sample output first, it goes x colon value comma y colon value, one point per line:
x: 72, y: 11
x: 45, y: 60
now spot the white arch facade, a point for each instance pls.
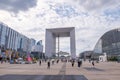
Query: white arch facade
x: 50, y: 40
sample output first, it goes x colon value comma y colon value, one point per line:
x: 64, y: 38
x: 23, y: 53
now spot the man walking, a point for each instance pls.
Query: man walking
x: 72, y: 63
x: 48, y: 65
x: 93, y: 64
x: 40, y: 63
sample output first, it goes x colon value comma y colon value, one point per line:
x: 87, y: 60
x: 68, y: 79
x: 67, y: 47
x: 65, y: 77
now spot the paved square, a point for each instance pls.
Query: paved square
x: 60, y: 71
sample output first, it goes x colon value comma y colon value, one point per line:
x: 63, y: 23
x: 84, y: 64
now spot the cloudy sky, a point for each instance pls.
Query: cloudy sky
x: 91, y: 19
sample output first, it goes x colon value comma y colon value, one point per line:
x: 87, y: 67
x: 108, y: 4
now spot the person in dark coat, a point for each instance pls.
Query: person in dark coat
x: 93, y: 63
x: 40, y: 62
x: 57, y: 60
x: 48, y: 65
x: 72, y: 62
x: 79, y: 63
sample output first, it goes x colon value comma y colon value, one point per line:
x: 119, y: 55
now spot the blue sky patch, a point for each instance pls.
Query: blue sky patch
x: 65, y: 10
x: 113, y: 14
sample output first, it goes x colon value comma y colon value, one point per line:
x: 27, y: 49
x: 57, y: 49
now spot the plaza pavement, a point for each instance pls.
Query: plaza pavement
x: 60, y: 71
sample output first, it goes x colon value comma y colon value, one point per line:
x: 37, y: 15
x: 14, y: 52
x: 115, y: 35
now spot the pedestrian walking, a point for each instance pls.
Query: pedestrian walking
x: 93, y: 64
x: 1, y: 59
x: 57, y: 60
x: 40, y: 63
x: 72, y: 63
x: 48, y: 65
x: 79, y: 63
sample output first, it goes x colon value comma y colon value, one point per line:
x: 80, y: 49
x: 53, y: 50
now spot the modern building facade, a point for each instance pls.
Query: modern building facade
x: 38, y: 47
x: 86, y: 55
x: 37, y: 50
x: 109, y: 43
x: 11, y: 39
x: 32, y: 43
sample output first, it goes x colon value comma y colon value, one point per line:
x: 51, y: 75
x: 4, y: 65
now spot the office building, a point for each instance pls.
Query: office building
x: 38, y: 47
x: 11, y: 39
x: 109, y: 43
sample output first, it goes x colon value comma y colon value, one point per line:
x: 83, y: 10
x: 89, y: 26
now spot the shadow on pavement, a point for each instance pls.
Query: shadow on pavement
x: 93, y: 69
x: 43, y: 77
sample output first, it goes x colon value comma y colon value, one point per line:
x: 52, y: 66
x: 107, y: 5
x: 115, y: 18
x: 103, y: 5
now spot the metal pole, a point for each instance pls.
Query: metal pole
x: 58, y: 46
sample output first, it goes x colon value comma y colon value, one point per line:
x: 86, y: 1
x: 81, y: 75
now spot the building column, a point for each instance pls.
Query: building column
x: 72, y: 44
x: 49, y: 44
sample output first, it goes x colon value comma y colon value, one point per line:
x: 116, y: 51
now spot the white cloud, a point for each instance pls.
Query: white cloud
x: 17, y: 5
x: 93, y: 5
x: 93, y: 19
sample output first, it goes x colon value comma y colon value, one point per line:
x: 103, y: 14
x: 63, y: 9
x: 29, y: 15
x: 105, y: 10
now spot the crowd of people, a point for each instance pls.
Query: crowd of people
x: 7, y: 54
x: 11, y: 56
x: 51, y: 62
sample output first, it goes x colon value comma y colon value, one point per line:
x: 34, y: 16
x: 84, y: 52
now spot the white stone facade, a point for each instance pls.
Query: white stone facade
x: 50, y: 41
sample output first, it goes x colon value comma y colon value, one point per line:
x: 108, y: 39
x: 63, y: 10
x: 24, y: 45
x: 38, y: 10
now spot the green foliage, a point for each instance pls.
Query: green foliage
x: 112, y: 58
